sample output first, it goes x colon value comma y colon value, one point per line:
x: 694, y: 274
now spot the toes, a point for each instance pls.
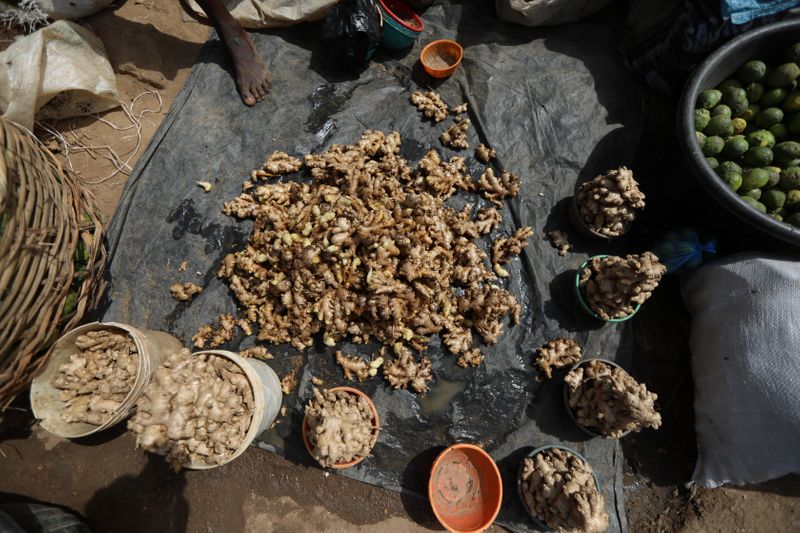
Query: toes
x: 265, y: 87
x: 260, y: 94
x: 248, y: 99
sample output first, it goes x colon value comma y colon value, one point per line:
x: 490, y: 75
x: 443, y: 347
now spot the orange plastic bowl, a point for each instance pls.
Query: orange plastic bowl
x: 441, y: 58
x: 375, y: 424
x: 465, y: 489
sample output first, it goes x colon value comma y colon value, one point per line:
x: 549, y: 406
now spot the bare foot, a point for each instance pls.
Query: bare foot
x: 253, y: 79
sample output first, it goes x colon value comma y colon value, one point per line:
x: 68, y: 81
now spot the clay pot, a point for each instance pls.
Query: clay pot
x: 306, y: 429
x: 465, y: 489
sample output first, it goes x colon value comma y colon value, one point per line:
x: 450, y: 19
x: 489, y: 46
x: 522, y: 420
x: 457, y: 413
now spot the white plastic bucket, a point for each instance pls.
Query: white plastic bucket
x: 267, y: 398
x: 153, y: 348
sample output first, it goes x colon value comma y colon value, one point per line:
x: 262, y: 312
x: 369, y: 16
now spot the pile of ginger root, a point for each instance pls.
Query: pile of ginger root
x: 614, y: 285
x: 197, y: 409
x: 341, y: 427
x: 96, y: 380
x: 609, y: 401
x: 559, y: 489
x: 608, y: 203
x: 557, y: 353
x: 368, y: 250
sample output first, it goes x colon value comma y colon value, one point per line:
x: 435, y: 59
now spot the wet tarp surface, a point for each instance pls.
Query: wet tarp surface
x: 557, y: 106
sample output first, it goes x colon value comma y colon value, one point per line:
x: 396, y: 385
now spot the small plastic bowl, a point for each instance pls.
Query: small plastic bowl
x: 465, y: 489
x: 569, y: 409
x: 441, y: 58
x: 578, y: 293
x: 541, y: 525
x: 375, y: 424
x: 401, y: 26
x: 579, y: 224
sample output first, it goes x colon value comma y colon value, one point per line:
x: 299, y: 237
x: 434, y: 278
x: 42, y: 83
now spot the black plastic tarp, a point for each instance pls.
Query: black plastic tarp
x: 555, y: 103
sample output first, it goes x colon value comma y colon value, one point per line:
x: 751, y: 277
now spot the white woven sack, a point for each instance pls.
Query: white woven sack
x: 745, y: 342
x: 546, y: 12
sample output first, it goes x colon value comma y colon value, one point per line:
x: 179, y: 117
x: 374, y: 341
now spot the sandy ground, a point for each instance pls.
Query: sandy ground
x: 152, y: 46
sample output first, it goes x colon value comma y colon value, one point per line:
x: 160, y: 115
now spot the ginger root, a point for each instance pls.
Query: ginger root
x: 487, y: 219
x: 96, y: 380
x: 430, y: 104
x: 607, y: 400
x: 495, y: 188
x: 218, y: 336
x: 405, y: 370
x: 460, y: 109
x: 341, y: 427
x: 559, y: 489
x: 368, y: 250
x: 484, y: 154
x: 559, y: 240
x: 455, y: 136
x: 198, y: 408
x: 353, y: 367
x: 615, y: 285
x: 557, y: 353
x: 608, y: 203
x: 506, y: 247
x: 257, y: 352
x: 183, y: 292
x: 472, y: 357
x: 277, y: 164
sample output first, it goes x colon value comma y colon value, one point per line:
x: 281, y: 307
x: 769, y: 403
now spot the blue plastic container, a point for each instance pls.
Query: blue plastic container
x: 397, y: 33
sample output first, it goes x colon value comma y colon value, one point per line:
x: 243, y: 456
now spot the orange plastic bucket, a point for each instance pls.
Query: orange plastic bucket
x: 375, y: 423
x: 465, y: 489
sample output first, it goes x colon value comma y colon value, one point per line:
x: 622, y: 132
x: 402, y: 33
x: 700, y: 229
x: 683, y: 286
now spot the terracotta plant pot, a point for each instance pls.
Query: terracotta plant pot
x: 465, y: 489
x: 375, y: 424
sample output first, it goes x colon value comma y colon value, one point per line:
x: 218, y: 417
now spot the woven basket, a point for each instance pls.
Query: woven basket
x: 47, y: 220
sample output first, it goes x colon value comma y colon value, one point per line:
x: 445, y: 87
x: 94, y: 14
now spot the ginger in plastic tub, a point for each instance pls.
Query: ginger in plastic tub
x: 95, y: 375
x: 202, y: 410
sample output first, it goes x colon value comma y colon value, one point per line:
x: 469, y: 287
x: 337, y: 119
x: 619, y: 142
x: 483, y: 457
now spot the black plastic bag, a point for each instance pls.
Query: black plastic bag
x: 353, y: 30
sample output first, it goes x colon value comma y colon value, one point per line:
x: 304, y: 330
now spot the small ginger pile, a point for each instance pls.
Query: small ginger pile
x: 216, y: 337
x: 557, y: 353
x: 608, y: 203
x: 607, y: 400
x: 405, y: 370
x: 559, y: 489
x: 96, y: 380
x: 197, y: 409
x: 355, y: 367
x: 560, y: 241
x: 613, y: 285
x: 183, y: 292
x: 455, y: 136
x: 496, y: 188
x: 369, y: 250
x: 430, y: 104
x: 504, y: 248
x: 341, y: 427
x: 484, y: 154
